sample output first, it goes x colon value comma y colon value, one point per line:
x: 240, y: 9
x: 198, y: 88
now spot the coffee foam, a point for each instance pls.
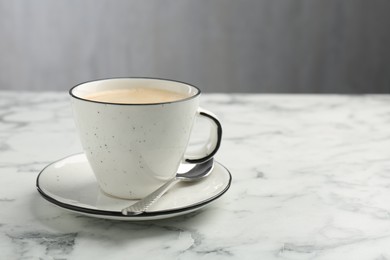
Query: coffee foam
x: 136, y: 96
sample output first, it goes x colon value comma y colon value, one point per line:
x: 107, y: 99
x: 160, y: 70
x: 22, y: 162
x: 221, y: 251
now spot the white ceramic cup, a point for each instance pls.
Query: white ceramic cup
x: 135, y: 148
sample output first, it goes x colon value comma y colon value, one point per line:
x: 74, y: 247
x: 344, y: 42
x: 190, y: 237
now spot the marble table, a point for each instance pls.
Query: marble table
x: 311, y: 180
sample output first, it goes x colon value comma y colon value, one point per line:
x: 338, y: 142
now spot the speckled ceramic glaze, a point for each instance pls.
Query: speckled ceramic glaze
x: 134, y: 148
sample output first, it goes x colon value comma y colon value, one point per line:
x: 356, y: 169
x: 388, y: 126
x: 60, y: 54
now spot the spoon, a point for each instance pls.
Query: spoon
x: 196, y: 173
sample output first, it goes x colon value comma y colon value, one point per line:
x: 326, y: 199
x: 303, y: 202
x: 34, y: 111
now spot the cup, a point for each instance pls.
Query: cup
x: 134, y: 148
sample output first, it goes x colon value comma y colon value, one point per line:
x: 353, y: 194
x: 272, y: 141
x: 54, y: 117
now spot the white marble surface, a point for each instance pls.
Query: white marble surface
x: 311, y: 180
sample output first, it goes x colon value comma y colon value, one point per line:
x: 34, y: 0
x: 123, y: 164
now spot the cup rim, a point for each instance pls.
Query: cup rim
x: 134, y: 104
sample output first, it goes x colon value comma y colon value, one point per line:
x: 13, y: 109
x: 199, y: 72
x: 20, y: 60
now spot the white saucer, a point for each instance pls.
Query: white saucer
x: 70, y: 184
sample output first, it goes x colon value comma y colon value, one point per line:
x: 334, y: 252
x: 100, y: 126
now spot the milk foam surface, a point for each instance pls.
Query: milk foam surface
x: 136, y: 96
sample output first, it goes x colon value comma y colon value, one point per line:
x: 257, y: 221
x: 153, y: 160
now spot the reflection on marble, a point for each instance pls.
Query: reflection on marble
x: 311, y: 180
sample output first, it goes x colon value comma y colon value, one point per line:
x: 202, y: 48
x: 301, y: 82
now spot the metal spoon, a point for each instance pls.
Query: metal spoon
x: 197, y: 172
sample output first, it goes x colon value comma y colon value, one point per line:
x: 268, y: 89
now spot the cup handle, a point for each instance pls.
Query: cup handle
x: 212, y: 145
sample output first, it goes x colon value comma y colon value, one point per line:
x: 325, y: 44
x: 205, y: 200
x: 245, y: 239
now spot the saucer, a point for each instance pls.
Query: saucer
x: 70, y: 184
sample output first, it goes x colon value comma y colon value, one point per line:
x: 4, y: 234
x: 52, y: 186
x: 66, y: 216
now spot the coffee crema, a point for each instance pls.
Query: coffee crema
x: 136, y: 96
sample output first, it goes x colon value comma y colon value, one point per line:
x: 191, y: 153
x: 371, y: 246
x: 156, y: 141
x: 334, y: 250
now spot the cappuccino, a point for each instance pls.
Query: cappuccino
x: 136, y: 96
x: 135, y: 135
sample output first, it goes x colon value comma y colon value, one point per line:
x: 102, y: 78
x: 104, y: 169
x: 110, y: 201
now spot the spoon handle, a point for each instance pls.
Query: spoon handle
x: 143, y: 204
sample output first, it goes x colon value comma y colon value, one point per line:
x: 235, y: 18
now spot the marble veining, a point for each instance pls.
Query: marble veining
x: 311, y: 180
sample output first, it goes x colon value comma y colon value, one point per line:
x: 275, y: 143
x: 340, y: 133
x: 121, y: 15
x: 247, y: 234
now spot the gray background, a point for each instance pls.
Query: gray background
x: 325, y: 46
